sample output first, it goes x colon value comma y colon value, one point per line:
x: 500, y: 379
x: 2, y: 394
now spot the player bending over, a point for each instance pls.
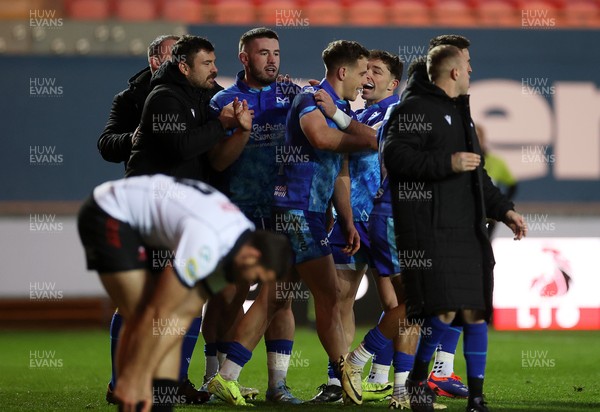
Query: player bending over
x: 212, y: 243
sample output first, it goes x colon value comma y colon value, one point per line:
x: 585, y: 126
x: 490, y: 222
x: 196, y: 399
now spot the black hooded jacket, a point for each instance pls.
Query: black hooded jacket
x: 440, y: 215
x: 114, y: 143
x: 176, y: 131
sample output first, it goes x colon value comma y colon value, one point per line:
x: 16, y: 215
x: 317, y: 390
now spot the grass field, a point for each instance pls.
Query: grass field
x: 527, y: 371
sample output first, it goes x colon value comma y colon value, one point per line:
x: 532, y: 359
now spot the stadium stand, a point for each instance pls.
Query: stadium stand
x: 361, y: 13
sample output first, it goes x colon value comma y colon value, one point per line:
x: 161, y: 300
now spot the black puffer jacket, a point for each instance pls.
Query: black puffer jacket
x: 439, y: 215
x: 114, y: 143
x: 175, y: 129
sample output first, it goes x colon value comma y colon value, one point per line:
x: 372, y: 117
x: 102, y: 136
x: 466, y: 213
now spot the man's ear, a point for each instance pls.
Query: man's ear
x: 243, y: 56
x: 154, y: 62
x: 183, y: 68
x: 393, y: 85
x: 341, y: 73
x: 454, y: 73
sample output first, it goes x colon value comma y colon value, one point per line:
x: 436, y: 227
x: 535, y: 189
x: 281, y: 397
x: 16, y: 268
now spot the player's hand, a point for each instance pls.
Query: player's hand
x: 313, y: 82
x: 227, y: 116
x: 352, y: 240
x: 516, y: 223
x: 325, y: 102
x: 133, y: 396
x: 243, y: 115
x: 465, y: 161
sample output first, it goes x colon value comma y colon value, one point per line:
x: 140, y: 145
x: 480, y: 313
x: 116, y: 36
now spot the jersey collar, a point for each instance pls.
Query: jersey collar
x: 243, y: 86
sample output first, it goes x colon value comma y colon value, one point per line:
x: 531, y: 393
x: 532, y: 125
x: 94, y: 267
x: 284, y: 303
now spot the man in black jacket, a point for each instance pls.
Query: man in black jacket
x: 176, y: 133
x: 441, y: 197
x: 116, y: 141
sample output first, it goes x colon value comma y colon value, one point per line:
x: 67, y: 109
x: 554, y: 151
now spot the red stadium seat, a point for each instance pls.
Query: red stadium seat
x: 184, y: 11
x: 136, y: 10
x: 409, y: 13
x: 89, y: 9
x: 277, y: 12
x: 538, y: 13
x: 234, y: 12
x: 367, y: 13
x: 498, y: 13
x: 453, y: 13
x: 324, y: 13
x: 581, y: 13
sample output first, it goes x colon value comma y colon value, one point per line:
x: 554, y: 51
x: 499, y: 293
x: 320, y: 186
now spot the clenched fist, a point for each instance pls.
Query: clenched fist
x: 465, y: 161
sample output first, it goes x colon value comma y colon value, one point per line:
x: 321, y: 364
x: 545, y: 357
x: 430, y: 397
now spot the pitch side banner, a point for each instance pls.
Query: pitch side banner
x: 546, y: 283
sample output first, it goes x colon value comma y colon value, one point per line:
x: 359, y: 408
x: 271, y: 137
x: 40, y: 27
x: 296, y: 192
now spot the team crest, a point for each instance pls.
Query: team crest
x: 448, y: 119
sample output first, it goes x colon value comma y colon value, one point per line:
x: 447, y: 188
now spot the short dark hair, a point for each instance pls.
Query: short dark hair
x: 154, y: 49
x: 452, y: 39
x: 437, y: 56
x: 275, y: 250
x: 188, y: 46
x: 343, y: 52
x: 257, y: 33
x: 417, y: 64
x: 393, y: 62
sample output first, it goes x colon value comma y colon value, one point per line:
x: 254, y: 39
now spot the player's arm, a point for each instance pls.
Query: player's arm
x: 323, y: 137
x: 142, y: 349
x: 227, y: 150
x: 115, y: 142
x: 343, y: 207
x: 343, y: 121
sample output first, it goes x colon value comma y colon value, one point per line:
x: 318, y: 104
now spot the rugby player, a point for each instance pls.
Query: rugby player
x: 205, y: 231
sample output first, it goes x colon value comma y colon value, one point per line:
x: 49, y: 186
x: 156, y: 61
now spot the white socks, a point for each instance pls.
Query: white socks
x: 443, y: 366
x: 230, y: 370
x: 359, y: 356
x: 278, y: 364
x: 379, y: 373
x: 399, y: 384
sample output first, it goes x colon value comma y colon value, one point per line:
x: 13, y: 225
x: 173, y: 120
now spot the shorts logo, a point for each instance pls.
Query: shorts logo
x: 325, y: 242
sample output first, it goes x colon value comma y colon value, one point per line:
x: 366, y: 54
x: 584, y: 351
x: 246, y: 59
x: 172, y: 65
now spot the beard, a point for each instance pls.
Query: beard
x: 262, y: 77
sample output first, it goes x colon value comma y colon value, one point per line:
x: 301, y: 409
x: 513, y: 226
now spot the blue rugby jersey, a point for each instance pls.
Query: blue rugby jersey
x: 307, y: 175
x: 365, y: 174
x: 250, y: 180
x: 382, y: 204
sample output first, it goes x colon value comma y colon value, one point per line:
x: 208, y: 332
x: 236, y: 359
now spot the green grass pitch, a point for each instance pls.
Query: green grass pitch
x: 527, y: 371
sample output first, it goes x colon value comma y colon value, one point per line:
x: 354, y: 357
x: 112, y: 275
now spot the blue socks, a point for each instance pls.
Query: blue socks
x: 384, y: 356
x: 432, y: 331
x: 187, y: 348
x: 115, y: 328
x: 475, y: 349
x: 238, y: 354
x: 281, y: 346
x: 375, y: 340
x: 403, y: 362
x: 450, y: 339
x: 223, y: 347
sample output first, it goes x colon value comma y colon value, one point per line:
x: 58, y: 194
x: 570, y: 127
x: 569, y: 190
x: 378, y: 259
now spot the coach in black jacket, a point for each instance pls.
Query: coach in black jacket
x: 441, y: 196
x: 176, y: 132
x: 115, y: 142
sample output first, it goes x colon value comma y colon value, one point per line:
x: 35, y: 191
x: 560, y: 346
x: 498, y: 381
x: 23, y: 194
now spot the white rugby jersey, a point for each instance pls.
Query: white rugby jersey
x: 189, y: 217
